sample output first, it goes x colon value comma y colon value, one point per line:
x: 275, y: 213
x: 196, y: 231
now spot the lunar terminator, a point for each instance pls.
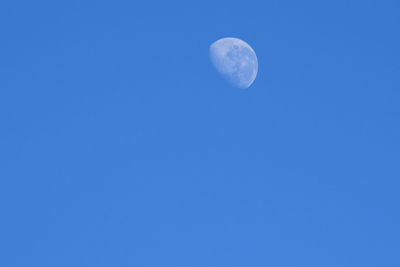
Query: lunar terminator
x: 235, y: 60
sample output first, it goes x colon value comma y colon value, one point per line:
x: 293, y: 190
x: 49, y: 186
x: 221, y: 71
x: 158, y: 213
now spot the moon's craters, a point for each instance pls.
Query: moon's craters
x: 235, y: 60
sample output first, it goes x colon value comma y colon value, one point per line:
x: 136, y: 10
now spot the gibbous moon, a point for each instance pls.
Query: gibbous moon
x: 235, y: 60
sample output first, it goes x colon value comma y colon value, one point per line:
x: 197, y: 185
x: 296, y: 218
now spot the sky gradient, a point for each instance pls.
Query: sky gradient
x: 120, y: 145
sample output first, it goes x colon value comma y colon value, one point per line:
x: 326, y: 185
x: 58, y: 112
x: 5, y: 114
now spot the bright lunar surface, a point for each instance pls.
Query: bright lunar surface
x: 235, y: 60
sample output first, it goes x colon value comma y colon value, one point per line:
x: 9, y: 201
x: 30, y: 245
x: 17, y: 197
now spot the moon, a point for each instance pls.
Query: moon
x: 235, y: 60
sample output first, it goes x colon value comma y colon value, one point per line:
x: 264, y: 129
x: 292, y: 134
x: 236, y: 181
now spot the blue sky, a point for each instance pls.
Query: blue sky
x: 120, y: 145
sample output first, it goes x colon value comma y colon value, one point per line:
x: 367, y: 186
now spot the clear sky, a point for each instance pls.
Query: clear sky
x: 120, y: 145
